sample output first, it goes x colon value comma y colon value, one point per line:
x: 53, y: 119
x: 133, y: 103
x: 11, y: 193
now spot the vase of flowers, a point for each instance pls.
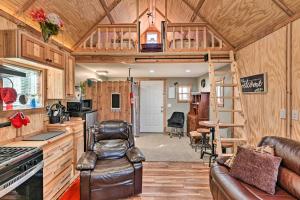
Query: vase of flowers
x: 50, y: 24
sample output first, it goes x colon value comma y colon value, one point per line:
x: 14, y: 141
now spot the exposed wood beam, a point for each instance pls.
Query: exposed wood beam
x: 107, y: 11
x: 212, y: 29
x: 141, y: 15
x: 26, y: 6
x: 162, y: 14
x: 113, y: 5
x: 196, y: 10
x: 268, y: 31
x: 283, y: 7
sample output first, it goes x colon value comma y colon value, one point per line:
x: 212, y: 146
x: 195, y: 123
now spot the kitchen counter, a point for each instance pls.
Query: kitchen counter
x: 39, y: 144
x: 60, y: 155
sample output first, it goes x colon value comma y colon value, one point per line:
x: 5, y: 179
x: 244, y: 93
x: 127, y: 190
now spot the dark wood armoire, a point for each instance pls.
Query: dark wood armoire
x: 199, y: 110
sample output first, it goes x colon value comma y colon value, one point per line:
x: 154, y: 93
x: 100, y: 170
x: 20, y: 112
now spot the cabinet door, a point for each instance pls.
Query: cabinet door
x: 70, y: 76
x: 79, y: 146
x: 55, y: 58
x: 32, y: 49
x: 55, y: 84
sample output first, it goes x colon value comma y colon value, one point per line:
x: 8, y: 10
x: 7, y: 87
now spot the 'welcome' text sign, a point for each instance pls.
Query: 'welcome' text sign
x: 254, y: 84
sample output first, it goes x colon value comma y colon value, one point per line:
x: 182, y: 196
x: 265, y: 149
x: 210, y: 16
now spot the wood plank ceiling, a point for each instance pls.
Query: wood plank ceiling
x: 238, y: 21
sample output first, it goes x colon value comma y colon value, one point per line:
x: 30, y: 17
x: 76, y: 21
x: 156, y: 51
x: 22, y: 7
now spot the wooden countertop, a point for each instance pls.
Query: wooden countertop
x: 72, y: 122
x: 41, y: 144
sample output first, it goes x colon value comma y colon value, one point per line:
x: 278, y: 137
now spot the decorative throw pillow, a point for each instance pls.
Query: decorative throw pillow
x: 256, y: 169
x: 263, y: 149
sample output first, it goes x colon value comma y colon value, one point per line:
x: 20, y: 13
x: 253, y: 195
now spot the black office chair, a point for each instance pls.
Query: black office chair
x: 176, y: 123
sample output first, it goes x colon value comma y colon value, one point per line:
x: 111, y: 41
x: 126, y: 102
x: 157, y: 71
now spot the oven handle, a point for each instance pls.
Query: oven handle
x: 18, y: 180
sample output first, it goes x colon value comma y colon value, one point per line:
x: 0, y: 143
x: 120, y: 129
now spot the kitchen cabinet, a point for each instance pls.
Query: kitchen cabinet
x: 19, y: 44
x: 55, y: 58
x: 75, y: 127
x: 70, y: 76
x: 32, y: 49
x: 55, y: 84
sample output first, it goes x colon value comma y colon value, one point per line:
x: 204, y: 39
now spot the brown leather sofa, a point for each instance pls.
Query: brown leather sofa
x: 112, y: 167
x: 225, y: 187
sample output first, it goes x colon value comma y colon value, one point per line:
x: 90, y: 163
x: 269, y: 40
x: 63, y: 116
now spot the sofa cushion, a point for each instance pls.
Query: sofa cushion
x: 110, y: 172
x: 287, y: 149
x: 111, y: 149
x: 259, y: 170
x: 289, y: 181
x: 223, y: 186
x: 262, y: 149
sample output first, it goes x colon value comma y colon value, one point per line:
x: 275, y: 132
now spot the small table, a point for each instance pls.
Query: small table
x: 211, y: 125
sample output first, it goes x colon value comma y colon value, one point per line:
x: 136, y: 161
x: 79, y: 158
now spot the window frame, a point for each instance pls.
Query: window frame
x: 42, y: 81
x: 189, y: 93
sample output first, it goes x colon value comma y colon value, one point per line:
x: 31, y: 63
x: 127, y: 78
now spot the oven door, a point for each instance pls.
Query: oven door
x: 27, y: 186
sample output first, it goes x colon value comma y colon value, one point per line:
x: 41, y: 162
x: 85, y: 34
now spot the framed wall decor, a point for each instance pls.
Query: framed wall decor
x: 254, y: 84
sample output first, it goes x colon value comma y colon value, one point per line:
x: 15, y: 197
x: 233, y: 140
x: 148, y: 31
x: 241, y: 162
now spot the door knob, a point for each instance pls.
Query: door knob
x: 161, y: 109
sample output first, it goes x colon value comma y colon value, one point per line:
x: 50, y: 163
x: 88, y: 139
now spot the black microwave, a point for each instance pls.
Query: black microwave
x: 82, y: 106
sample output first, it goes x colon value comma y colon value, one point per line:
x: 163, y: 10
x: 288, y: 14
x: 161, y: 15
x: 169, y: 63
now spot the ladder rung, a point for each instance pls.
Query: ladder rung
x: 226, y: 85
x: 220, y: 61
x: 233, y: 140
x: 219, y: 72
x: 228, y: 110
x: 225, y: 97
x: 228, y: 125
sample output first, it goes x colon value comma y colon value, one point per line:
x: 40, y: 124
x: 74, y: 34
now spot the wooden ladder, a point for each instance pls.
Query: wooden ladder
x: 236, y: 98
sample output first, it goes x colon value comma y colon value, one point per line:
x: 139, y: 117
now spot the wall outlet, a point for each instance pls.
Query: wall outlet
x: 295, y: 115
x: 169, y: 105
x: 282, y: 114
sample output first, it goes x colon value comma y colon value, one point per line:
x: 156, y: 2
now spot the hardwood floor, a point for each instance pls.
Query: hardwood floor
x: 175, y: 180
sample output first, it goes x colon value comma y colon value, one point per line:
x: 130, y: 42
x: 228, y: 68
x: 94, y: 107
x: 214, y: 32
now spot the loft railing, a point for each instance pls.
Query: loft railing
x: 112, y: 37
x: 185, y: 37
x: 176, y: 37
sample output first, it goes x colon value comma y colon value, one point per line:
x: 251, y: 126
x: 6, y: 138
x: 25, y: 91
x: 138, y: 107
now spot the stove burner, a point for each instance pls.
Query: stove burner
x: 11, y: 155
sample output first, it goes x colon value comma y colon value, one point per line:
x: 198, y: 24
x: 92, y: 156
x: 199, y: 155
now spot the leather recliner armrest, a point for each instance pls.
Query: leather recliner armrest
x: 135, y: 155
x: 87, y: 161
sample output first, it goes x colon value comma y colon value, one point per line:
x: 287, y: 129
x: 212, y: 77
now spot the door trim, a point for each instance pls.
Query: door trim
x: 164, y: 97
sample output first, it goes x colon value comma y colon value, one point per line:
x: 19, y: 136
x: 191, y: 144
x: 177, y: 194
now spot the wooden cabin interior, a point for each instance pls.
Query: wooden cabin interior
x: 149, y: 99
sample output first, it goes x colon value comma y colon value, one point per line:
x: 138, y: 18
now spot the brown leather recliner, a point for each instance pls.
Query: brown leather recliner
x: 225, y: 187
x: 112, y: 166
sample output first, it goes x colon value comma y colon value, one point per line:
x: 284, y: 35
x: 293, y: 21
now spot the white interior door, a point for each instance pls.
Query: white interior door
x: 151, y: 106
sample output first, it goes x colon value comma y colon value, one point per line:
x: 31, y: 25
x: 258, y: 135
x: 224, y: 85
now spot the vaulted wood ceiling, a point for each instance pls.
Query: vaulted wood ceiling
x: 238, y: 21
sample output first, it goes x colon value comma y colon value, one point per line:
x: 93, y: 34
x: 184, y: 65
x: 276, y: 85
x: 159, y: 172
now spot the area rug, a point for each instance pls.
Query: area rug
x: 73, y: 192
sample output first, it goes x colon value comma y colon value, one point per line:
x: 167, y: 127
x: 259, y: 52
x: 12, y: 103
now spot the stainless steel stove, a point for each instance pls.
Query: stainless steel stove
x: 21, y: 173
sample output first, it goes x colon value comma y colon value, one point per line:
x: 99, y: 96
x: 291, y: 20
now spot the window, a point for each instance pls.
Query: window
x: 29, y: 89
x: 151, y: 37
x: 184, y: 94
x: 116, y: 101
x: 220, y: 93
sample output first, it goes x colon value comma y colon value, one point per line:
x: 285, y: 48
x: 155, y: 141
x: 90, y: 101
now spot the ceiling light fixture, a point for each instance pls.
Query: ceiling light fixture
x: 151, y: 71
x: 187, y: 70
x: 102, y: 73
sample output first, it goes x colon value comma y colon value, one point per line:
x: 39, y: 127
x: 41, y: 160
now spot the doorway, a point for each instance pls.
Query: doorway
x: 152, y: 106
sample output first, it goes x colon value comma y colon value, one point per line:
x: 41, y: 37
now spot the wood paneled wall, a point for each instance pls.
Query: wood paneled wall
x: 105, y: 89
x: 295, y: 79
x: 279, y: 56
x: 37, y: 117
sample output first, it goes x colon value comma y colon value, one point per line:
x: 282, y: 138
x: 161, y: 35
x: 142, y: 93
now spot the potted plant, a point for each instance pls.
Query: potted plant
x: 50, y: 24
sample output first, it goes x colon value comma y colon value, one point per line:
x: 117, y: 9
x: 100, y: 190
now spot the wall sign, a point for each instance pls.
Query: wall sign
x: 254, y: 84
